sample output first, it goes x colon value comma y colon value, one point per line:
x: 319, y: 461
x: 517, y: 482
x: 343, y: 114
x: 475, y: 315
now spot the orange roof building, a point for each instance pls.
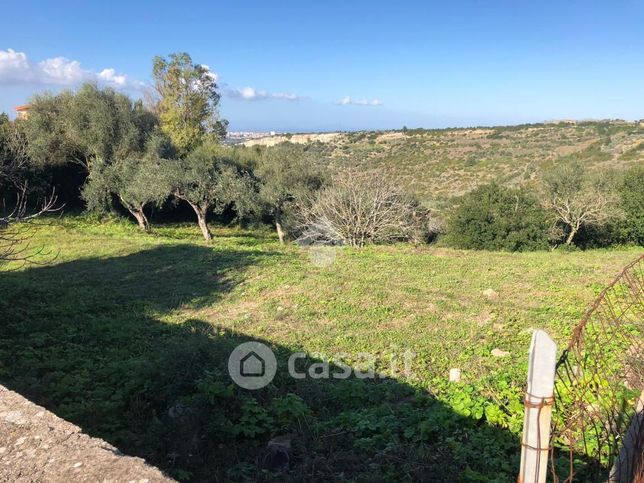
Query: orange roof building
x: 22, y: 111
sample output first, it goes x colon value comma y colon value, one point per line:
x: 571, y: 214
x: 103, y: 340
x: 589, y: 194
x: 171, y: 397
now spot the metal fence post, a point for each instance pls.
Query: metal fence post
x: 538, y: 409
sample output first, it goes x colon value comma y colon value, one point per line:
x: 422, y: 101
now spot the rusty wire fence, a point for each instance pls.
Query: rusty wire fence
x: 598, y: 418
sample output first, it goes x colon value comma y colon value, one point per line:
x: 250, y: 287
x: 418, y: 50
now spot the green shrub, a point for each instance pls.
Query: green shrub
x: 632, y: 203
x: 626, y: 225
x: 496, y: 218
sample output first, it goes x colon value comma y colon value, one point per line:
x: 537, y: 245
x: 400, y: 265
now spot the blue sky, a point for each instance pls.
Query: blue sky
x: 349, y: 64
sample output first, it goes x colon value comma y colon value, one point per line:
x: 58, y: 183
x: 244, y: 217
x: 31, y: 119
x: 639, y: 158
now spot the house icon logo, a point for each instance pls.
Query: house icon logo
x: 252, y: 365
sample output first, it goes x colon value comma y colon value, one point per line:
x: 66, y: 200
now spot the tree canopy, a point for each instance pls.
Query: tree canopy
x: 13, y: 152
x: 288, y: 175
x: 211, y: 178
x: 136, y: 181
x: 92, y: 126
x: 188, y: 101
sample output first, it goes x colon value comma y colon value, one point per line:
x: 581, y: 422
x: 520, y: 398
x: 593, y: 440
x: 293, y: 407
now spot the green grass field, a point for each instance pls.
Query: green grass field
x: 128, y: 336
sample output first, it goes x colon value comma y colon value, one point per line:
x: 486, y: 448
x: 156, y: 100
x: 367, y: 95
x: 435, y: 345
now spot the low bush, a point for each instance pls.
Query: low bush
x: 493, y: 217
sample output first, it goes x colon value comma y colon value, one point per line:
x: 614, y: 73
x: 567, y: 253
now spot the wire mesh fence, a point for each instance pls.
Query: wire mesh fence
x: 598, y: 419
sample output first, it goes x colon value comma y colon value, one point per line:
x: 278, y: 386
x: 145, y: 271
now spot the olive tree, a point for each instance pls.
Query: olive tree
x: 136, y: 181
x: 91, y: 126
x: 188, y: 101
x: 13, y: 153
x: 578, y: 198
x: 210, y: 179
x: 288, y: 175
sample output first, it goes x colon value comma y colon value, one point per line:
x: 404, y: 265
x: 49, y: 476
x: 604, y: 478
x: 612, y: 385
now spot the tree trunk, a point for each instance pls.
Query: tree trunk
x: 278, y: 226
x: 203, y: 224
x: 141, y: 219
x: 571, y: 235
x: 201, y: 221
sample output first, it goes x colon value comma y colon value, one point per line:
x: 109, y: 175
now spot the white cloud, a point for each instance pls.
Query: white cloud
x: 346, y: 100
x: 17, y: 68
x: 14, y: 67
x: 60, y: 71
x: 248, y: 93
x: 284, y: 95
x: 111, y: 77
x: 252, y: 94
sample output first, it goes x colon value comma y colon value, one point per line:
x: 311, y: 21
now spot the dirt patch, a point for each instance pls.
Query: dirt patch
x: 36, y: 445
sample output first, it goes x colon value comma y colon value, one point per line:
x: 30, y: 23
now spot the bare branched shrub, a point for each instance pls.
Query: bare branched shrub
x: 14, y: 240
x: 361, y: 208
x: 578, y: 198
x: 15, y: 210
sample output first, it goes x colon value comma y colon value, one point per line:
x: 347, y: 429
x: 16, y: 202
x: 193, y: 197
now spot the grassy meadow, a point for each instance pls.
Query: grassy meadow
x: 128, y: 334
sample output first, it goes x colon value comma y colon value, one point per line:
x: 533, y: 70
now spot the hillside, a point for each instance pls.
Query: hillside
x: 440, y: 164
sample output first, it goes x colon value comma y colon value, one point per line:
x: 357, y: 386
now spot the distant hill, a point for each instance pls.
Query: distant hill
x: 442, y: 163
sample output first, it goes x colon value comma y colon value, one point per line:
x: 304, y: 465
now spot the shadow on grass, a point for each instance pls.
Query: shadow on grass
x: 84, y: 339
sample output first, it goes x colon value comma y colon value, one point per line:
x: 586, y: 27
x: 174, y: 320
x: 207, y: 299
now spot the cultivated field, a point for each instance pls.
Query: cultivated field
x: 128, y: 335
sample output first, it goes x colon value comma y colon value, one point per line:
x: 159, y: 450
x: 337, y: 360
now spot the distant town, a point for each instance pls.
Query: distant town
x: 236, y: 137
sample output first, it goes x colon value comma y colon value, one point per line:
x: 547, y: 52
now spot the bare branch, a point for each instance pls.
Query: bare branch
x: 362, y: 208
x: 578, y: 198
x: 14, y: 237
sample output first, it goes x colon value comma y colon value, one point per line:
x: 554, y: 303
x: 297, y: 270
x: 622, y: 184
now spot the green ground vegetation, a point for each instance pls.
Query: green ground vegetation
x: 127, y: 334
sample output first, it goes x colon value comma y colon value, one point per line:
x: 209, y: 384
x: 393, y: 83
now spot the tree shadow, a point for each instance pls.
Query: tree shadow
x: 85, y: 339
